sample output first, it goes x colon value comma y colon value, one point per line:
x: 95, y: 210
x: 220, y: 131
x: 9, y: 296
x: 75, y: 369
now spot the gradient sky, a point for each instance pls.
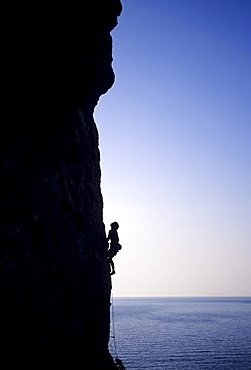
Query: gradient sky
x: 175, y: 141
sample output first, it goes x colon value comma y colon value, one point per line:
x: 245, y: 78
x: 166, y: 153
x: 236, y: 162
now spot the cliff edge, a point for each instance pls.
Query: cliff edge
x: 56, y: 291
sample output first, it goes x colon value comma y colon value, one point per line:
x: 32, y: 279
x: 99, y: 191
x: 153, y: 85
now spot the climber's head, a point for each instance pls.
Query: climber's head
x: 114, y: 225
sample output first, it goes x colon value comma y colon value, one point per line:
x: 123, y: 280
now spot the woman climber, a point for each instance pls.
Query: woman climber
x: 114, y: 245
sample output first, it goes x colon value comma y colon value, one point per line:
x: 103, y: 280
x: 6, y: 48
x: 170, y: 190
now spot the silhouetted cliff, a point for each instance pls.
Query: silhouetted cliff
x: 56, y: 293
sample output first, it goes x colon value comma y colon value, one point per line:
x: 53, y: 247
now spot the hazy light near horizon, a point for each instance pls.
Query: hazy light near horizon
x: 175, y: 141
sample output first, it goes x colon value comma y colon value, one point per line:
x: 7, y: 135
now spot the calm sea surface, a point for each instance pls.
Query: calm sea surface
x: 182, y: 333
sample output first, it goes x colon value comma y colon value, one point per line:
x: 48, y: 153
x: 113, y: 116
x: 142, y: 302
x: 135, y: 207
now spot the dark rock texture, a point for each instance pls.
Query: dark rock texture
x: 56, y: 290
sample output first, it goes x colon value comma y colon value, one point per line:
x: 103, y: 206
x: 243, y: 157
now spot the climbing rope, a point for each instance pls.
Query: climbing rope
x: 113, y: 329
x: 119, y: 363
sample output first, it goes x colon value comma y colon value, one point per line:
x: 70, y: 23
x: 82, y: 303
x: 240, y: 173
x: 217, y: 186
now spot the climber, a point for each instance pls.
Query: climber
x: 119, y: 364
x: 114, y: 245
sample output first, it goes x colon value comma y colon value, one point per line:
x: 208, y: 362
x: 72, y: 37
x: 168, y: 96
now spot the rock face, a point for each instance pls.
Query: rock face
x: 56, y: 291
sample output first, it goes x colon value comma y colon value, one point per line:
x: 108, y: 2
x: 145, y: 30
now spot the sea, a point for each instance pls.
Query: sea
x: 182, y: 332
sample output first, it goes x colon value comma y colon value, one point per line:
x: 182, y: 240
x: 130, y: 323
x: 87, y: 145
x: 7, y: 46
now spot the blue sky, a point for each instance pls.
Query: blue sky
x: 175, y: 142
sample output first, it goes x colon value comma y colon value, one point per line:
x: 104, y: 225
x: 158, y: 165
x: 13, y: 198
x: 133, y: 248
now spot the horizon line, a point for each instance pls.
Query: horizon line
x: 182, y: 296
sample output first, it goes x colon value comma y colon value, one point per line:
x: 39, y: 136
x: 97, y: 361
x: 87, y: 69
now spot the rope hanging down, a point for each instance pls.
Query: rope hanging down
x: 113, y: 330
x: 119, y: 364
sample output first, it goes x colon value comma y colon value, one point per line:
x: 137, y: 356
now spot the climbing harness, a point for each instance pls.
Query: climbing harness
x: 119, y: 364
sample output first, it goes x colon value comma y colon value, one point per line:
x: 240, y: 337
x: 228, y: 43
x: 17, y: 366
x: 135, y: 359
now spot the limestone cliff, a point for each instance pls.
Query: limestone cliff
x: 56, y: 291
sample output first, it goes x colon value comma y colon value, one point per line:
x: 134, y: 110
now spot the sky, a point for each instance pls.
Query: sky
x: 175, y: 142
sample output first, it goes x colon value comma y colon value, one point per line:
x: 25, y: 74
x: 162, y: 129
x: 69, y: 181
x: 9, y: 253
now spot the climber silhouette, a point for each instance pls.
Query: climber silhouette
x: 119, y: 364
x: 114, y: 245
